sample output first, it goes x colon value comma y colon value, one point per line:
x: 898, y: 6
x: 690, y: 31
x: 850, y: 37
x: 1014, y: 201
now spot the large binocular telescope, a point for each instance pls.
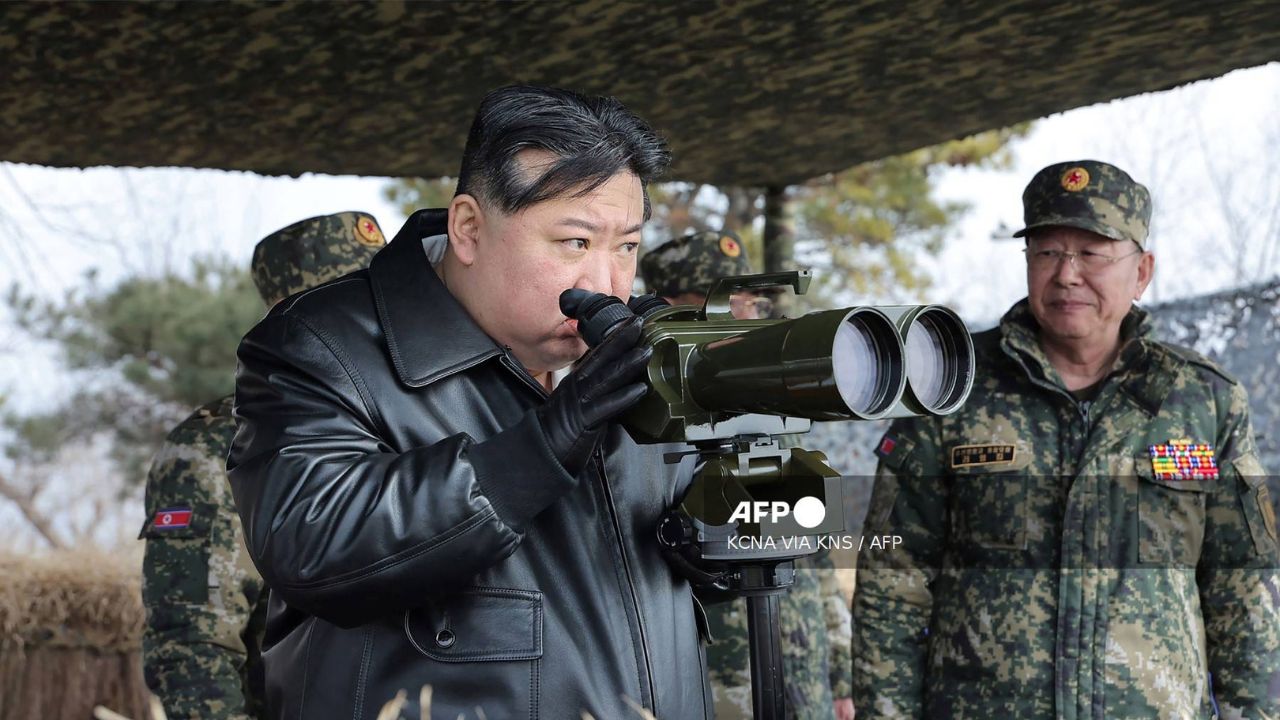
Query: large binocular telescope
x: 713, y: 376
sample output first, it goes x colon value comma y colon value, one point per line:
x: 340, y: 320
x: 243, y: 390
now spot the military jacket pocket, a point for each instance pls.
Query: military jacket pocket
x: 1256, y: 501
x: 1171, y: 518
x: 989, y: 509
x: 989, y: 491
x: 178, y: 553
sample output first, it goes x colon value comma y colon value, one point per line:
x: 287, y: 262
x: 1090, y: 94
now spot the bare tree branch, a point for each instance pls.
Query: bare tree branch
x: 37, y: 519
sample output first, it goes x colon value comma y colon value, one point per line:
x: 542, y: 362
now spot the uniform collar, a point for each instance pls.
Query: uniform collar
x: 429, y: 334
x: 1146, y: 368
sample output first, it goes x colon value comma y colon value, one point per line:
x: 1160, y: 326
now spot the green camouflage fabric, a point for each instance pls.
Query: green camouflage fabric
x: 750, y: 93
x: 815, y: 629
x: 838, y: 619
x: 206, y: 603
x: 691, y: 263
x: 1090, y: 195
x: 313, y: 251
x: 1047, y: 571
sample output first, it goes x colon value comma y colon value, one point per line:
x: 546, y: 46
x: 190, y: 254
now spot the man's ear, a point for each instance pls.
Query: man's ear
x: 465, y: 221
x: 1146, y: 270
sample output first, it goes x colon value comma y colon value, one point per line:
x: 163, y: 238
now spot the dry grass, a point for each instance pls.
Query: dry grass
x: 393, y: 707
x: 70, y: 632
x: 71, y: 599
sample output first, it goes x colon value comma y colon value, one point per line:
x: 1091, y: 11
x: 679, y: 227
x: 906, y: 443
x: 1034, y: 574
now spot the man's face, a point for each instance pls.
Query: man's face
x: 520, y: 263
x: 743, y: 305
x: 1080, y: 305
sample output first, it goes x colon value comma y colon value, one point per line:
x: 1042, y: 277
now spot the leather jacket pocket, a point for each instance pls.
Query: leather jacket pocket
x: 1171, y: 517
x: 487, y: 647
x: 479, y: 625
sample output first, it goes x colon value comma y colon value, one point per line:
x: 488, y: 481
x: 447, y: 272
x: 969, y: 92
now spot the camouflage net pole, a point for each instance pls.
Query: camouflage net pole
x: 779, y: 241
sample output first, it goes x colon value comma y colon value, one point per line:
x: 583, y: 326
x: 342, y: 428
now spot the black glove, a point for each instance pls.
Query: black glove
x: 608, y: 380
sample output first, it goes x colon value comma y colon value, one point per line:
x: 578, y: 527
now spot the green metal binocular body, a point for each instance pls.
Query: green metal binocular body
x: 714, y: 377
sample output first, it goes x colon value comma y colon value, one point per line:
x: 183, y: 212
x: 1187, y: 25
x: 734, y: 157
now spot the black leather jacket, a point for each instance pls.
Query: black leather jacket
x: 415, y: 529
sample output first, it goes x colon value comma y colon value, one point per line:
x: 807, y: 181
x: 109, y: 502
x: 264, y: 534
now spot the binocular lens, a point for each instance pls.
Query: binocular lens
x: 867, y: 370
x: 926, y: 362
x: 939, y: 360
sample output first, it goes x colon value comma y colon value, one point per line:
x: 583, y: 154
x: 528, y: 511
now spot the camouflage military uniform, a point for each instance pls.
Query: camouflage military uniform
x: 1050, y: 567
x: 814, y: 614
x: 206, y: 603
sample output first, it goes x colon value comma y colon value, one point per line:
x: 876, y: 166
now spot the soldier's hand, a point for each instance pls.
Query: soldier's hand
x: 844, y: 709
x: 606, y: 382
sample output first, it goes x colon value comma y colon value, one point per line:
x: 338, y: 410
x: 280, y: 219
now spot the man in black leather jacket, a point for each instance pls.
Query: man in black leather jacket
x: 427, y: 503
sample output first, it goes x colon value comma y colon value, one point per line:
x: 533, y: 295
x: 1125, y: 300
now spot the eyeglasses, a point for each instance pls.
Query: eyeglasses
x: 1089, y: 261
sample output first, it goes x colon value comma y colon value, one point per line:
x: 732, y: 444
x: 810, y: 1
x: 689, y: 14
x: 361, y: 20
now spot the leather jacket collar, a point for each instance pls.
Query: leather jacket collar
x: 428, y: 333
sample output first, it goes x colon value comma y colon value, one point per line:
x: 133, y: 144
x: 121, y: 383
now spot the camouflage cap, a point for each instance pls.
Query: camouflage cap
x: 1089, y: 195
x: 313, y: 251
x: 691, y: 263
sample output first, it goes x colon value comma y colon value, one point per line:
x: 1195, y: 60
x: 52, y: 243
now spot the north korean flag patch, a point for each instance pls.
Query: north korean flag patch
x: 894, y: 450
x: 173, y: 518
x: 887, y: 444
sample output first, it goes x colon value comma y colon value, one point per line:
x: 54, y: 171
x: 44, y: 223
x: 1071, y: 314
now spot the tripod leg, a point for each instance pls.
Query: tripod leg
x: 765, y: 638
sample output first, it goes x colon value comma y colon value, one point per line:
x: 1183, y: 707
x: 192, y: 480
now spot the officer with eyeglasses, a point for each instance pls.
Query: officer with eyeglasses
x: 1091, y: 535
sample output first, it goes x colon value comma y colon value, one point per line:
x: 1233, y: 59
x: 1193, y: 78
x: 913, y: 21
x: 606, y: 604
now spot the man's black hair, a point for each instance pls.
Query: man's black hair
x: 593, y: 138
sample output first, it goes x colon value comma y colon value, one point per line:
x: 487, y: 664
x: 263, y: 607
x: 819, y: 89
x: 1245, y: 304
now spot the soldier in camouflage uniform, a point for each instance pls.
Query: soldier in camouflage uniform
x: 206, y: 604
x: 1090, y: 536
x: 814, y: 614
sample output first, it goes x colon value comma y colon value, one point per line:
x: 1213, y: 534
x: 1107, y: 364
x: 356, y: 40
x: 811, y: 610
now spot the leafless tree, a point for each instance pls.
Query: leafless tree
x: 1245, y: 192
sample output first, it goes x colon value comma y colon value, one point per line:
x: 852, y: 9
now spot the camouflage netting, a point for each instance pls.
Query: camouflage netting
x: 750, y: 92
x: 1239, y: 329
x: 70, y: 636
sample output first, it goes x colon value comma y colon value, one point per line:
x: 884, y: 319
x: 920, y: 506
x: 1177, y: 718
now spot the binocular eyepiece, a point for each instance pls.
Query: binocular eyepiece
x: 596, y: 313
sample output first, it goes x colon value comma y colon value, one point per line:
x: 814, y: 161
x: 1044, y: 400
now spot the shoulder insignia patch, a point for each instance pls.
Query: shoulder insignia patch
x: 893, y: 450
x: 172, y: 518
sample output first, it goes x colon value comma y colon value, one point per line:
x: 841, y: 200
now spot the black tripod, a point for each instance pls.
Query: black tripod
x: 764, y: 638
x: 731, y: 557
x: 762, y: 584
